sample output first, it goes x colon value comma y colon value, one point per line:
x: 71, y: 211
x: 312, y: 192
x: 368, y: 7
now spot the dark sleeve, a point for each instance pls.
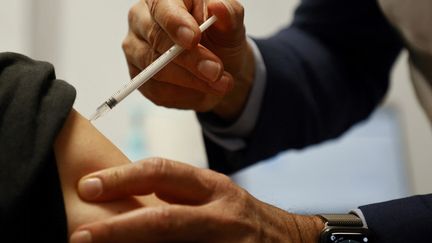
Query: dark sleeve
x: 33, y: 107
x: 400, y: 221
x: 325, y: 72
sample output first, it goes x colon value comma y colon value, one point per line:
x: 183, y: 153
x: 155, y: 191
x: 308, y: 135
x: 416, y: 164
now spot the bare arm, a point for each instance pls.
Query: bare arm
x: 81, y: 149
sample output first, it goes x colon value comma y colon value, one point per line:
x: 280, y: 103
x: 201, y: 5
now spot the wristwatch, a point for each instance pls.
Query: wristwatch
x: 343, y: 228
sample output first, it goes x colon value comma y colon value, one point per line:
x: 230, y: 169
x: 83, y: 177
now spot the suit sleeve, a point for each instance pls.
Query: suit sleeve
x: 33, y: 107
x: 326, y: 71
x: 400, y: 221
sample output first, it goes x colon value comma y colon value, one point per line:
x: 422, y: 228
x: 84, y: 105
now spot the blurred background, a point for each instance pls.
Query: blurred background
x: 386, y: 157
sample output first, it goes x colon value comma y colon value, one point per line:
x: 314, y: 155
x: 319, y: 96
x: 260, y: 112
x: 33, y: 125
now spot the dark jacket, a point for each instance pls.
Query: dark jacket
x: 326, y: 72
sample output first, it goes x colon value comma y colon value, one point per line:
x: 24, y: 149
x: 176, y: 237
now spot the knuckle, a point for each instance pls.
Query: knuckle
x: 144, y: 56
x: 151, y: 168
x: 168, y: 19
x: 165, y: 220
x: 152, y: 5
x: 132, y: 14
x: 138, y: 51
x: 163, y: 214
x: 136, y: 171
x: 103, y: 232
x: 113, y: 179
x: 158, y: 166
x: 241, y: 208
x: 219, y: 184
x: 224, y: 180
x: 125, y: 44
x: 162, y: 167
x: 243, y: 197
x: 238, y: 15
x: 154, y: 35
x: 239, y: 10
x: 150, y: 162
x: 152, y: 55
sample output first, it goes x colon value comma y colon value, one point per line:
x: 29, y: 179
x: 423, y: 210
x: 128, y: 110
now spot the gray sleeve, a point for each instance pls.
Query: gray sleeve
x: 33, y: 108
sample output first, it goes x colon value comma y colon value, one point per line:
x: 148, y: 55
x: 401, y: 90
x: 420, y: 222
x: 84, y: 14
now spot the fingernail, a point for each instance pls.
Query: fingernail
x: 185, y: 35
x: 221, y: 85
x: 83, y: 236
x: 90, y: 188
x: 209, y: 69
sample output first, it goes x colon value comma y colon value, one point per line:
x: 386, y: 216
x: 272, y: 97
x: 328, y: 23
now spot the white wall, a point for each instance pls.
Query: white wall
x: 82, y: 39
x: 415, y: 125
x: 14, y: 27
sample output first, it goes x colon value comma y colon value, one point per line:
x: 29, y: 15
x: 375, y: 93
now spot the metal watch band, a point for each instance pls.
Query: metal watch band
x: 347, y: 220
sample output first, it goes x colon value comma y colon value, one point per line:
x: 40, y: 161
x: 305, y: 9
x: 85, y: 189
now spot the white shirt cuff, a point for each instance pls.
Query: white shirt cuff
x: 359, y: 213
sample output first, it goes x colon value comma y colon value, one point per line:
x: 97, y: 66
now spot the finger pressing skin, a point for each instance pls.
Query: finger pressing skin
x: 174, y: 18
x: 160, y: 224
x: 171, y: 181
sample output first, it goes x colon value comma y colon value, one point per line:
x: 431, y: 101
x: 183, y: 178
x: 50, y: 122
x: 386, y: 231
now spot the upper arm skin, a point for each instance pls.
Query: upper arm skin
x: 79, y: 150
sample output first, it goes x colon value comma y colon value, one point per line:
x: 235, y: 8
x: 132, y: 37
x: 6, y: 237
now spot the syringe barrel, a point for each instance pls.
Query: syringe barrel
x: 148, y: 72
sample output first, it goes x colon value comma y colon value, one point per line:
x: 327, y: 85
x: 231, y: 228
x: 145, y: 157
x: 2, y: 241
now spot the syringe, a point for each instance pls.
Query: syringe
x: 145, y: 75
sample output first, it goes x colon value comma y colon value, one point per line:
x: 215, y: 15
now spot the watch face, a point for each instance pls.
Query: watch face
x: 345, y: 236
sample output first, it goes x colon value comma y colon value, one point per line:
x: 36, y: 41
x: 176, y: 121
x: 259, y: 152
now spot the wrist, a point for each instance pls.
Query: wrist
x: 308, y: 228
x: 232, y: 105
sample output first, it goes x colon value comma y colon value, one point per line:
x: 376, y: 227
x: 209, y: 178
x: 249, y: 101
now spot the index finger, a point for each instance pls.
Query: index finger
x: 171, y: 181
x: 160, y: 224
x: 175, y: 18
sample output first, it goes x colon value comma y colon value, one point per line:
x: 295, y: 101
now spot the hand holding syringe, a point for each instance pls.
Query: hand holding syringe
x: 145, y: 75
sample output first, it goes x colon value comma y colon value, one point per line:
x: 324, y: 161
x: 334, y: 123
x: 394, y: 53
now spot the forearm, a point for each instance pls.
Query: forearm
x: 310, y: 228
x: 233, y: 103
x: 81, y: 149
x: 76, y: 145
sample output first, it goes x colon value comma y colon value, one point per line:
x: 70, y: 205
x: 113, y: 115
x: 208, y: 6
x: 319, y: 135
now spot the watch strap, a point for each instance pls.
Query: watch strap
x: 347, y: 220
